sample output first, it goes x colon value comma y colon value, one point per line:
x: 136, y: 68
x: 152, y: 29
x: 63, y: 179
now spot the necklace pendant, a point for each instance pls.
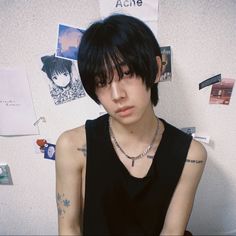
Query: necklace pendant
x: 132, y: 163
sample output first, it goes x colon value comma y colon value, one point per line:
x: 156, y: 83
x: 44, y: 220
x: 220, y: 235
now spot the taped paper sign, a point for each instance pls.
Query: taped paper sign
x: 146, y: 10
x: 16, y: 106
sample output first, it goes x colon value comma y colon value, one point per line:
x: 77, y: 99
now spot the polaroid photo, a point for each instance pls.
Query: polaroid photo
x: 68, y: 41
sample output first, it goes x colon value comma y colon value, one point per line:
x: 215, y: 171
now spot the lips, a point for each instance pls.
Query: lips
x: 124, y: 111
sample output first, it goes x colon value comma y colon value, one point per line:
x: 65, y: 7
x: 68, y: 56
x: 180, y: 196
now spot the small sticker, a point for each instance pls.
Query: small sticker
x: 210, y: 81
x: 49, y: 151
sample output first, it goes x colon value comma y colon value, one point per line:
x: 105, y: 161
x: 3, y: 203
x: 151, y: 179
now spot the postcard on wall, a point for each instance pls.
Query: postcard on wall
x: 63, y: 79
x: 166, y: 64
x: 146, y: 10
x: 68, y: 42
x: 221, y: 92
x: 16, y: 106
x: 5, y: 175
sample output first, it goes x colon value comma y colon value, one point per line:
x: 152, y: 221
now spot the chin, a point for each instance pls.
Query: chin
x: 126, y: 120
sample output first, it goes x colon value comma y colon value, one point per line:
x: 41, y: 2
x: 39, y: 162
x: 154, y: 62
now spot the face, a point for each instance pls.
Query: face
x: 62, y: 80
x: 127, y: 99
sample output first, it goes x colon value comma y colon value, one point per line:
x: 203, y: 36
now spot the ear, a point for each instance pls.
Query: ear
x: 159, y: 66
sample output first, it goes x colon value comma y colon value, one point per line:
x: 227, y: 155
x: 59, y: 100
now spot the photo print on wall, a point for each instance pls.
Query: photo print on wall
x: 63, y: 79
x: 68, y: 42
x: 166, y: 63
x: 221, y: 92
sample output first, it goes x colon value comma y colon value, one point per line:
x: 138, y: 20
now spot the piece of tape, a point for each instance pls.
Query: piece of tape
x: 210, y: 81
x: 201, y: 138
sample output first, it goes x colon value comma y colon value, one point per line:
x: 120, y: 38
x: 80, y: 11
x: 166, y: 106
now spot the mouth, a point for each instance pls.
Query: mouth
x: 124, y: 111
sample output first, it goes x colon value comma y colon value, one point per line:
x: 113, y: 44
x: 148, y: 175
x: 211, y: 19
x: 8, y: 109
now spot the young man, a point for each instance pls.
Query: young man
x: 127, y: 172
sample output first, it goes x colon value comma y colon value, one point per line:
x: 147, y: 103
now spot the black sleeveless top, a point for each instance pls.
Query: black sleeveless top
x: 117, y: 203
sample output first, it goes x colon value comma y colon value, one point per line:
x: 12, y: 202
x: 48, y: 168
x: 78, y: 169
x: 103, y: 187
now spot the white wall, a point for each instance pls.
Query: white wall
x: 201, y: 34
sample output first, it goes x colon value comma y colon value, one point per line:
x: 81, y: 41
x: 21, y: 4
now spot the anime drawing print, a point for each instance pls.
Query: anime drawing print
x: 63, y: 79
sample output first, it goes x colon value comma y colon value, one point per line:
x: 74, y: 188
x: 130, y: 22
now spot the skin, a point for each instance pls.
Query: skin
x: 131, y: 128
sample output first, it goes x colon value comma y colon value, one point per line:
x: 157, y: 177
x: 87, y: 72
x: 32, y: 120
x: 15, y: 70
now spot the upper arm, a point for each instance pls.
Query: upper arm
x: 69, y: 167
x: 182, y: 201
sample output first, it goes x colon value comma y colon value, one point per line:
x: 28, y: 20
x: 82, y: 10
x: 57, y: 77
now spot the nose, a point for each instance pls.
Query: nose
x: 117, y: 91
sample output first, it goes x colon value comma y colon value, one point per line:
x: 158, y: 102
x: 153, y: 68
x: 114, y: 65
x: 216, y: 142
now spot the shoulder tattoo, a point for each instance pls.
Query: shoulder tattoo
x: 83, y: 149
x: 194, y: 161
x: 62, y: 204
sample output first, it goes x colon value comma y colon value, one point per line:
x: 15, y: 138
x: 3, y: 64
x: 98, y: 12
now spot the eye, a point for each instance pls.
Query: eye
x: 65, y: 73
x: 54, y: 78
x: 126, y: 74
x: 101, y: 83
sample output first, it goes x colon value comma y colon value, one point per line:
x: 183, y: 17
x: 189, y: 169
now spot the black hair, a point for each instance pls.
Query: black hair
x: 53, y: 65
x: 116, y: 40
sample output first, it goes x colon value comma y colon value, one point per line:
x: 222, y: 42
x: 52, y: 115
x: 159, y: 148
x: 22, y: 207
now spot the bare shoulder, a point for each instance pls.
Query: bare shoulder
x: 197, y: 152
x: 195, y: 162
x: 69, y: 147
x: 71, y: 138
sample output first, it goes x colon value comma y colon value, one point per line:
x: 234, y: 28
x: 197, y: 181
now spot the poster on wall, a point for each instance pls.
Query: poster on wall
x: 63, y: 79
x: 16, y: 106
x: 68, y: 42
x: 221, y: 92
x: 146, y: 10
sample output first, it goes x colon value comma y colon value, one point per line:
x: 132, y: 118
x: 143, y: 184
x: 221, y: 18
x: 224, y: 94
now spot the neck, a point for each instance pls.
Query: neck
x: 139, y: 130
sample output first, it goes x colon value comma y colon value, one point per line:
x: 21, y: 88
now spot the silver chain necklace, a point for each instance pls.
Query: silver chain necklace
x: 140, y: 155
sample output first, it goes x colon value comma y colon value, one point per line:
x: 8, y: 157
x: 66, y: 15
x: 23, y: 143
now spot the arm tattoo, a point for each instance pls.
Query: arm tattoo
x: 62, y: 204
x: 83, y: 149
x: 194, y: 161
